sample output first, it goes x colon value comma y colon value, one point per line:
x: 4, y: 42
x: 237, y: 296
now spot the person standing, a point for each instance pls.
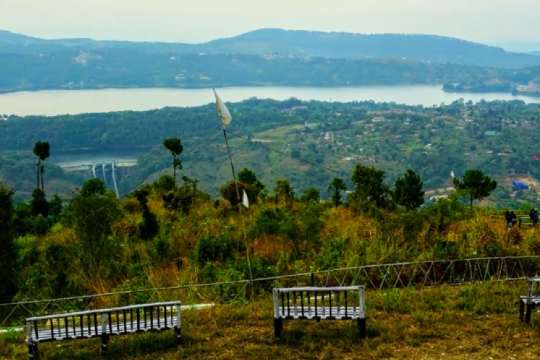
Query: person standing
x: 513, y: 218
x: 533, y: 215
x: 508, y: 219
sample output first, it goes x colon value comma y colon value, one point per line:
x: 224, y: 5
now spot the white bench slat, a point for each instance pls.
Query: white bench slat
x: 322, y: 313
x: 117, y: 329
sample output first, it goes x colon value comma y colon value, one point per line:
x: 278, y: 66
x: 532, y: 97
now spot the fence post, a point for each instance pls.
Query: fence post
x: 312, y: 281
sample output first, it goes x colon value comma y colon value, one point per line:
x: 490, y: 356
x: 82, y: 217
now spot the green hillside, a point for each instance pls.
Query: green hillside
x: 308, y: 142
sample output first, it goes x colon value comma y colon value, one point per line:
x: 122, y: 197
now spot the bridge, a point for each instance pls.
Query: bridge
x: 106, y: 170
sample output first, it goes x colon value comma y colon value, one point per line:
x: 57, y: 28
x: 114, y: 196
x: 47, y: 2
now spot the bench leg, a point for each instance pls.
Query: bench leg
x: 33, y: 351
x: 178, y: 335
x: 528, y: 313
x: 362, y: 328
x: 278, y: 327
x: 104, y: 343
x: 521, y: 310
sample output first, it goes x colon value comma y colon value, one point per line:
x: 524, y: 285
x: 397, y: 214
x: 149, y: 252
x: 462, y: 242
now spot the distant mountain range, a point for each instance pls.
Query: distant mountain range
x: 262, y: 57
x: 423, y: 48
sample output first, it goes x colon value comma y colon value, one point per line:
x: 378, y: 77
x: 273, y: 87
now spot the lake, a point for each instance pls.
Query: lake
x: 57, y: 102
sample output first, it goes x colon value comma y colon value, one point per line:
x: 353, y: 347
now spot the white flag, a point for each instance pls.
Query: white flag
x: 245, y: 199
x: 223, y: 112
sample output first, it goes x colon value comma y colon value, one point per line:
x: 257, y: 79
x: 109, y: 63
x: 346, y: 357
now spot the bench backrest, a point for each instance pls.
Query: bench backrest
x: 92, y: 323
x: 349, y: 299
x: 534, y: 287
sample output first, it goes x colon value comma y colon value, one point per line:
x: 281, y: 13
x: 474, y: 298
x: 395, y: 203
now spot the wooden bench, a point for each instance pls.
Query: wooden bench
x: 102, y: 323
x: 529, y: 302
x: 319, y: 303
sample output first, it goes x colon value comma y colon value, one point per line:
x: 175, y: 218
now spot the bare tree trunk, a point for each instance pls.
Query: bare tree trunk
x: 37, y: 173
x: 174, y: 169
x: 42, y: 170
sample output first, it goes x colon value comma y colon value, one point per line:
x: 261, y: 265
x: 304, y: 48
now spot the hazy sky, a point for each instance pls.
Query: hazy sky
x: 491, y: 21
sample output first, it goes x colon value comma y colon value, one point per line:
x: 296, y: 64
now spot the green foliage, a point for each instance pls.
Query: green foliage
x: 409, y: 191
x: 331, y: 254
x: 8, y: 285
x: 369, y: 188
x: 93, y: 187
x: 475, y: 184
x: 183, y: 198
x: 443, y: 213
x: 42, y: 151
x: 247, y: 176
x: 92, y: 214
x: 478, y: 299
x: 444, y: 250
x: 283, y: 191
x: 214, y: 248
x: 40, y: 225
x: 55, y: 208
x: 39, y: 203
x: 232, y: 192
x: 435, y: 141
x: 277, y: 221
x: 335, y: 188
x: 23, y: 219
x: 310, y: 194
x: 149, y: 226
x: 312, y: 222
x: 165, y: 184
x: 174, y: 145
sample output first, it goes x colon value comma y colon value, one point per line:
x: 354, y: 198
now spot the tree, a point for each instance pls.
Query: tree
x: 7, y: 249
x: 284, y: 191
x: 174, y: 145
x: 93, y: 187
x: 248, y: 177
x: 92, y: 214
x: 369, y: 186
x: 149, y: 226
x: 409, y: 191
x: 39, y: 204
x: 228, y: 192
x: 335, y: 188
x: 164, y: 184
x: 310, y: 194
x: 476, y: 185
x: 42, y: 151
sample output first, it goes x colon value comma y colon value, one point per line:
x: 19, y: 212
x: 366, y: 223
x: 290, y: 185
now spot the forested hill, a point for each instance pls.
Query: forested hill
x: 264, y: 57
x: 305, y: 142
x: 422, y: 48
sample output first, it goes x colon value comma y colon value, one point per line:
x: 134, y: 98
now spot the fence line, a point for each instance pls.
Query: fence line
x: 376, y: 276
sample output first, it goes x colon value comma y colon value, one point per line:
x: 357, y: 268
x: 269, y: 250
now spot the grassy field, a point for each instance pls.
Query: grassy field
x: 466, y: 322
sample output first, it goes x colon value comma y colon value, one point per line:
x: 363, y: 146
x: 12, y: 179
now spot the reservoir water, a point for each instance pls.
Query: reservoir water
x: 57, y: 102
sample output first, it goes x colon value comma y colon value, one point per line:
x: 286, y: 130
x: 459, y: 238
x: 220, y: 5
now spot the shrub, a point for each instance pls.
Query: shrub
x: 445, y: 250
x: 331, y: 254
x: 214, y: 248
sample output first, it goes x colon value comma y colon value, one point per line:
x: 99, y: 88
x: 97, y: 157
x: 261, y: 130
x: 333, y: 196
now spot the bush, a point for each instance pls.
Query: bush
x: 445, y: 250
x: 275, y: 222
x: 214, y: 248
x: 331, y: 254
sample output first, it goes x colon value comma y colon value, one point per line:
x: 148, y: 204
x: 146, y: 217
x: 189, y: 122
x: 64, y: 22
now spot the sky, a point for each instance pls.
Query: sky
x: 488, y: 21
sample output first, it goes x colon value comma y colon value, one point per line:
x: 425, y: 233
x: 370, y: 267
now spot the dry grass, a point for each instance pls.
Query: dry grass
x: 469, y: 322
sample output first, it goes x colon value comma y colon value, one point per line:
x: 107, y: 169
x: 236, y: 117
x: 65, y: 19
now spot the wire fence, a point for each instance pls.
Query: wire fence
x: 379, y: 277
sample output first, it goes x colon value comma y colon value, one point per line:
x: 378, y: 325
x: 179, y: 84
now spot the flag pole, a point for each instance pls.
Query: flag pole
x: 239, y: 202
x: 232, y: 169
